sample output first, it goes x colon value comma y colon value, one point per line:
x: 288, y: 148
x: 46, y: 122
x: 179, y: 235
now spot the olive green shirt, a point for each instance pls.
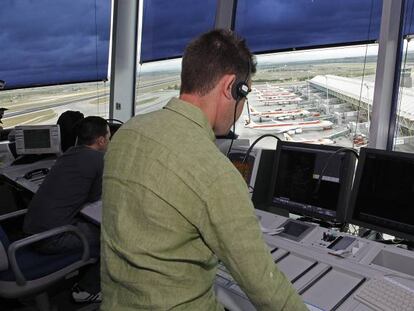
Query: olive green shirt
x: 172, y: 206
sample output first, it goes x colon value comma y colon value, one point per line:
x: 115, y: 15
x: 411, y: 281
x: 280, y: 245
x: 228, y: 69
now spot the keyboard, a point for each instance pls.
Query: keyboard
x: 386, y: 295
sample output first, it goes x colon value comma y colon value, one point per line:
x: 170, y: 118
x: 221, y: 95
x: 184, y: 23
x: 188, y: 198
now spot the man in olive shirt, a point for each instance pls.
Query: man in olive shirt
x: 173, y: 205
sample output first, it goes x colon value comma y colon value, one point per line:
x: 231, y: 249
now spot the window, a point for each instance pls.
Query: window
x: 157, y: 82
x: 166, y: 31
x: 404, y: 114
x: 43, y: 105
x: 316, y: 96
x: 52, y: 42
x: 404, y: 129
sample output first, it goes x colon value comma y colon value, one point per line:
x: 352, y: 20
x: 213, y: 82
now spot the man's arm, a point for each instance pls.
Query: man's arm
x: 230, y: 228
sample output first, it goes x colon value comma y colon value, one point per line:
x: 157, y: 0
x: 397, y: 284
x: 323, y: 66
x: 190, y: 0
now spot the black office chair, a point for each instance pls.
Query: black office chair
x: 26, y: 273
x: 114, y: 125
x: 67, y: 123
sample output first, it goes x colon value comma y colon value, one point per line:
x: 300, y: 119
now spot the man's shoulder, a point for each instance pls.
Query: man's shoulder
x: 81, y: 156
x: 84, y: 151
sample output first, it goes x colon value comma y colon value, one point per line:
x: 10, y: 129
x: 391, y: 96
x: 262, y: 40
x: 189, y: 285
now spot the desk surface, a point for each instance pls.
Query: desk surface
x: 16, y: 174
x: 93, y: 211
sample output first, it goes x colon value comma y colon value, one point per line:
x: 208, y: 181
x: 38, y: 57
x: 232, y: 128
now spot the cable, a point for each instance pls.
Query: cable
x: 318, y: 184
x: 239, y: 98
x: 363, y: 76
x: 234, y: 127
x: 96, y: 56
x: 255, y: 142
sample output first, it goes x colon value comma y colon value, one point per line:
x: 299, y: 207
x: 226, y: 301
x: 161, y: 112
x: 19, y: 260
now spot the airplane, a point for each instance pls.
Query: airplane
x: 279, y: 100
x: 292, y: 127
x: 320, y: 141
x: 279, y: 114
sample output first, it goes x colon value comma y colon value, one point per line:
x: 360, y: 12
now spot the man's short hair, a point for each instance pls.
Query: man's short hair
x: 90, y: 128
x: 209, y: 57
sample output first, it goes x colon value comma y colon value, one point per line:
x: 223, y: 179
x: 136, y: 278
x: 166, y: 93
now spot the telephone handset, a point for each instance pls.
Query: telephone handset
x: 38, y: 171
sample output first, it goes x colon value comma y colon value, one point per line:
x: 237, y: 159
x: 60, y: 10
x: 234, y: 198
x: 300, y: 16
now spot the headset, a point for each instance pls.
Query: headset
x: 240, y: 89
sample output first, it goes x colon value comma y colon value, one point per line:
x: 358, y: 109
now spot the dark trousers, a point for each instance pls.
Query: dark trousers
x: 90, y: 281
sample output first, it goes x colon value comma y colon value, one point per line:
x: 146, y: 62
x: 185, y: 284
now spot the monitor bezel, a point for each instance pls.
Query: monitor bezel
x: 351, y: 218
x: 54, y: 130
x: 347, y: 173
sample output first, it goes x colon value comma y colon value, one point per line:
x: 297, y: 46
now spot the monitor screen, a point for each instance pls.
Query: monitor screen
x: 37, y: 139
x: 383, y: 193
x: 297, y: 187
x: 245, y: 168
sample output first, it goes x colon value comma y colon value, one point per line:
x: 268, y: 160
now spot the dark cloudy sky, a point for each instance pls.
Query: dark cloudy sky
x: 53, y: 41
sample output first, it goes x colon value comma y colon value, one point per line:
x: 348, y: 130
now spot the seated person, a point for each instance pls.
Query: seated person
x: 74, y: 180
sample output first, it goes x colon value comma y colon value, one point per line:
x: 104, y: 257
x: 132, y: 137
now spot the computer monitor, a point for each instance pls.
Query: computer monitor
x: 246, y: 168
x: 383, y: 193
x: 296, y: 185
x: 37, y: 139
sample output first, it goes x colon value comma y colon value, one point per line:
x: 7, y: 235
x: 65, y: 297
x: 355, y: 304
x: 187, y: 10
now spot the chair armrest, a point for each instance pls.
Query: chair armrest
x: 20, y: 279
x: 13, y: 214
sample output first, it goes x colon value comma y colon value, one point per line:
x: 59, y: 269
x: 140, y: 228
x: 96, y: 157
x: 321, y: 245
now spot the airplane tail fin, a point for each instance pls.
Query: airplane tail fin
x: 252, y: 110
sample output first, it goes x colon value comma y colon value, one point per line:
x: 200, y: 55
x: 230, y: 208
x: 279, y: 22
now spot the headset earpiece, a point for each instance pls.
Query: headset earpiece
x: 240, y: 89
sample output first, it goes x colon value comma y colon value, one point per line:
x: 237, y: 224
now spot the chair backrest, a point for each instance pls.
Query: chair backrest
x: 67, y: 122
x: 4, y: 245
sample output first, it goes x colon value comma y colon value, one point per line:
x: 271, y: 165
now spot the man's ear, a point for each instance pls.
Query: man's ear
x: 227, y: 82
x: 101, y: 140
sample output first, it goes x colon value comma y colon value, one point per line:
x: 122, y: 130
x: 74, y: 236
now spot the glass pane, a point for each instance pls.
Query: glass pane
x: 272, y: 25
x: 168, y: 28
x: 404, y: 130
x: 157, y: 82
x: 44, y: 105
x: 46, y: 42
x: 318, y: 96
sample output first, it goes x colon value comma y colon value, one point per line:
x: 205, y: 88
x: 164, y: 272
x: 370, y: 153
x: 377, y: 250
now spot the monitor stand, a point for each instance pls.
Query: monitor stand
x: 32, y: 158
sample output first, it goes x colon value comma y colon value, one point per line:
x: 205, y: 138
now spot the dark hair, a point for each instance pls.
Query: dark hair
x: 90, y: 128
x: 212, y: 55
x: 67, y: 123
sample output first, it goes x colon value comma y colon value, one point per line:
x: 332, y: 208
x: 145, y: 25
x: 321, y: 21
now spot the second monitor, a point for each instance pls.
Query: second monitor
x: 383, y: 193
x: 37, y: 139
x: 297, y: 186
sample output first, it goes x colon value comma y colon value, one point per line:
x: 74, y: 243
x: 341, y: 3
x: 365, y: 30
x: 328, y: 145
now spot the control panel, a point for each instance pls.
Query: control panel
x: 331, y: 270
